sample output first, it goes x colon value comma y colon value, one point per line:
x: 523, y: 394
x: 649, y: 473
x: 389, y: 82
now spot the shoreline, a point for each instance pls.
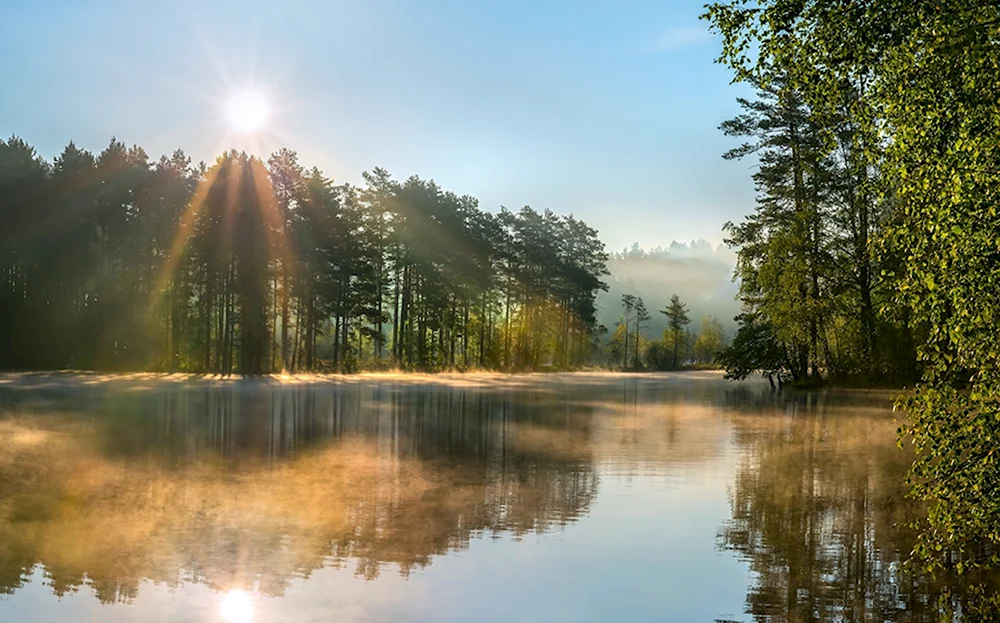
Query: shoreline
x: 42, y: 379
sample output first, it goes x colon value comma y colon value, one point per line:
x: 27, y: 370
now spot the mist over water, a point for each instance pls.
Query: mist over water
x: 589, y: 497
x: 700, y: 273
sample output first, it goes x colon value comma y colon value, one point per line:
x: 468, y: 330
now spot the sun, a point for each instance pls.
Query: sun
x: 247, y: 111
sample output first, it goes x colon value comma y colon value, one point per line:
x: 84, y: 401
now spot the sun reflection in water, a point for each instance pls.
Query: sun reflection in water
x: 236, y: 607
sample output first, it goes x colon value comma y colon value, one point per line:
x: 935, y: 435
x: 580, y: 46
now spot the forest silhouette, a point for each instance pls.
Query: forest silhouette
x: 111, y: 262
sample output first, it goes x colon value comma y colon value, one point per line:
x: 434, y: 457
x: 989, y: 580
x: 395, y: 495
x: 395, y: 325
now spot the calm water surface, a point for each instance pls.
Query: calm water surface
x: 486, y: 498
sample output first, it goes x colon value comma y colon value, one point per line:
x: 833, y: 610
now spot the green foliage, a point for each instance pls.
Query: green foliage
x: 628, y: 304
x: 780, y: 247
x: 755, y: 348
x: 958, y: 472
x: 658, y: 355
x: 625, y: 343
x: 806, y: 261
x: 676, y: 348
x: 710, y: 341
x: 641, y: 317
x: 918, y: 81
x: 113, y: 262
x: 615, y: 347
x: 677, y: 319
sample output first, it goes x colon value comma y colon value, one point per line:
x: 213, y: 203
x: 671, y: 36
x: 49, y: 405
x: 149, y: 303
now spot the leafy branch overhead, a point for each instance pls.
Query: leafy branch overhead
x: 879, y: 143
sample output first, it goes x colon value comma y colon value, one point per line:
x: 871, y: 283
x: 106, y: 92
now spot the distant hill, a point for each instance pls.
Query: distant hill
x: 697, y: 272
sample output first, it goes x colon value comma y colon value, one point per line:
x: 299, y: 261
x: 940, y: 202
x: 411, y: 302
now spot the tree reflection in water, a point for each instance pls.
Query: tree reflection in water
x: 254, y: 484
x: 819, y: 512
x: 250, y: 485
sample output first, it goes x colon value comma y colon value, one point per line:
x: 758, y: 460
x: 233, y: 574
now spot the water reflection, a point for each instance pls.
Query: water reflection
x: 236, y: 606
x: 253, y: 485
x: 818, y: 510
x: 254, y: 490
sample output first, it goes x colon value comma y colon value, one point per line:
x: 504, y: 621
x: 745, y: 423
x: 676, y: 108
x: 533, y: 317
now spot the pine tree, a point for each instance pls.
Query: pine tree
x: 677, y: 318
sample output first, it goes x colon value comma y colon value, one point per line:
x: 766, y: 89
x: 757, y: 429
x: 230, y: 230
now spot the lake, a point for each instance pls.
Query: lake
x: 576, y: 497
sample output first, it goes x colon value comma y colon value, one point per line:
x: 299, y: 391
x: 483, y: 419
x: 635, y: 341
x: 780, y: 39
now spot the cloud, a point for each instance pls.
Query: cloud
x: 677, y: 38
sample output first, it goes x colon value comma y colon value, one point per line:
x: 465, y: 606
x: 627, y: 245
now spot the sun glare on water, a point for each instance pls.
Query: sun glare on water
x: 236, y: 607
x: 247, y: 111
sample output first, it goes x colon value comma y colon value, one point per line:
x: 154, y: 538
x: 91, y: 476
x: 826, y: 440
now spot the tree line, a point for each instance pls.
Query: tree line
x: 627, y: 348
x: 818, y: 303
x: 111, y: 262
x: 873, y: 249
x: 699, y: 272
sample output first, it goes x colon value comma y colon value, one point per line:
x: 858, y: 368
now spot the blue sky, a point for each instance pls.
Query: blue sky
x: 608, y: 110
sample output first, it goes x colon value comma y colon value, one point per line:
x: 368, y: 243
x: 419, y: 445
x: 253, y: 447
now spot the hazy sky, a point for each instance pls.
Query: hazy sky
x: 605, y: 109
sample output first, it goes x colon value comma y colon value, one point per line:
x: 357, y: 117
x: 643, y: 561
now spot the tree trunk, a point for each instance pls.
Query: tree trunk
x: 405, y: 346
x: 396, y: 353
x: 625, y: 358
x: 285, y: 314
x: 336, y: 342
x: 209, y: 298
x: 482, y: 334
